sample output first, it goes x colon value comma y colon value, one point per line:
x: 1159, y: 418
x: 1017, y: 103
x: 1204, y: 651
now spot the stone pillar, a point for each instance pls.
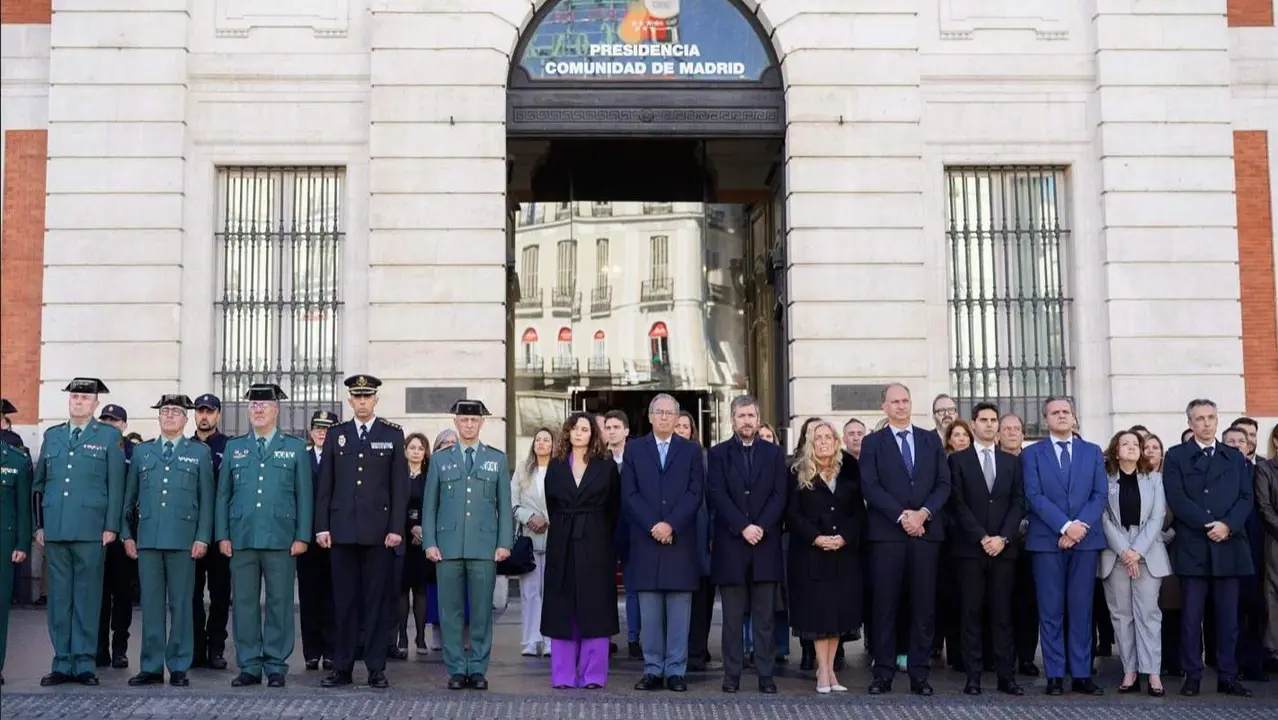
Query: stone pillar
x: 113, y: 248
x: 1168, y: 213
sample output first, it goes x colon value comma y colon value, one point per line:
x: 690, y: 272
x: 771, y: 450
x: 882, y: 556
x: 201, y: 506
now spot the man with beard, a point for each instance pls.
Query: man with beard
x: 214, y: 569
x: 116, y: 617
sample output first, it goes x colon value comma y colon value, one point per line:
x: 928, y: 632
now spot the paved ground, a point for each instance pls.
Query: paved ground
x: 520, y: 690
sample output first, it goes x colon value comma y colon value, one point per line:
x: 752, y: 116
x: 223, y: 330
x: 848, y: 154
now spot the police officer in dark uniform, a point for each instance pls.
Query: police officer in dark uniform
x: 7, y: 435
x: 121, y: 572
x: 214, y: 569
x: 359, y: 513
x: 314, y: 571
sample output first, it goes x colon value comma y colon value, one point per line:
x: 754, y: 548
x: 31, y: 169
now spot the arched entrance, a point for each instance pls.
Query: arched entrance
x: 644, y: 151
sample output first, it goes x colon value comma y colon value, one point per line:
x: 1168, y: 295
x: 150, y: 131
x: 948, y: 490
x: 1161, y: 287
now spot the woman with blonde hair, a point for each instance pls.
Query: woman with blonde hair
x: 528, y: 498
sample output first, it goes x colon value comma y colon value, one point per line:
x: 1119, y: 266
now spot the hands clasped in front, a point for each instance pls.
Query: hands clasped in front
x: 663, y: 533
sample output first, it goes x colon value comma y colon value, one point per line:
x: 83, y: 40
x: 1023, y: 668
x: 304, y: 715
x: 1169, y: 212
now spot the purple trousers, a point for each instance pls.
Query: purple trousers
x: 578, y: 662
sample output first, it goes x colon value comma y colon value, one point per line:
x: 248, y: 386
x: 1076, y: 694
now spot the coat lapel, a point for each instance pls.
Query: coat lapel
x: 895, y: 443
x: 1219, y: 464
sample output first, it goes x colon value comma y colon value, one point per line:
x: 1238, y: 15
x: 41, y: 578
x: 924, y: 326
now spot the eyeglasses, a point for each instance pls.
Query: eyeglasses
x: 946, y: 411
x: 664, y: 413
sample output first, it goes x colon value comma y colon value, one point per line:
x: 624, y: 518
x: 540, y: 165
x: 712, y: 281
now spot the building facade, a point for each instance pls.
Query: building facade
x: 974, y: 196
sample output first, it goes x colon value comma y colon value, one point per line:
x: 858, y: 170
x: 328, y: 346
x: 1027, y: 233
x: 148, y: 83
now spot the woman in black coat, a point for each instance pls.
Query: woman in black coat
x: 579, y: 598
x: 825, y: 514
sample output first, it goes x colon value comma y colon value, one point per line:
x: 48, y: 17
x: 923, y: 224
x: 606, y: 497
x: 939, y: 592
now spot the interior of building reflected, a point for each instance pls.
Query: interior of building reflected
x: 618, y: 301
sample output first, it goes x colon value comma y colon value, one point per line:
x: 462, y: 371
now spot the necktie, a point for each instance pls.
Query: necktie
x: 168, y: 450
x: 1064, y: 445
x: 906, y: 454
x: 1207, y: 452
x: 987, y: 467
x: 261, y: 446
x: 749, y: 458
x: 75, y: 435
x: 662, y: 449
x: 363, y: 434
x: 470, y: 460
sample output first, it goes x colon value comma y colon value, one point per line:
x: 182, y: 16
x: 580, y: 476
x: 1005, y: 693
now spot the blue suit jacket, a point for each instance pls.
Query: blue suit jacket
x: 1055, y: 500
x: 889, y: 490
x: 674, y: 495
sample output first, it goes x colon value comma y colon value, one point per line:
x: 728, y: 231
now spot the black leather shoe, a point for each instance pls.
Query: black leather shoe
x: 244, y: 680
x: 398, y: 653
x: 973, y: 687
x: 146, y: 678
x: 1028, y: 669
x: 634, y: 650
x: 87, y: 679
x: 179, y: 679
x: 732, y: 684
x: 650, y: 682
x: 1055, y: 686
x: 337, y: 678
x: 457, y: 682
x: 767, y: 686
x: 1190, y: 688
x: 327, y: 664
x: 1232, y: 688
x: 275, y: 680
x: 676, y: 683
x: 217, y: 662
x: 880, y: 687
x: 119, y: 661
x: 377, y: 680
x: 1129, y: 689
x: 921, y: 688
x: 477, y: 682
x: 1009, y: 687
x: 1086, y: 687
x: 312, y: 664
x: 55, y: 678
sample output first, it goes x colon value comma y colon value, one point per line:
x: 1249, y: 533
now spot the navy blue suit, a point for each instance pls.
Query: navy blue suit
x: 315, y: 591
x: 214, y: 571
x: 1065, y: 579
x: 896, y: 558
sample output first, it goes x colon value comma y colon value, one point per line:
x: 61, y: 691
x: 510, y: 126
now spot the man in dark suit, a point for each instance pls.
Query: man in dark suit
x: 906, y: 483
x: 359, y: 515
x: 986, y: 499
x: 662, y: 484
x: 214, y: 569
x: 747, y: 494
x: 1067, y: 490
x: 1210, y: 496
x: 314, y: 569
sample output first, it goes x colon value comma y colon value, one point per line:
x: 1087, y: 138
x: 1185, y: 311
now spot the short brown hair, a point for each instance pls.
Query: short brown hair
x: 1143, y: 466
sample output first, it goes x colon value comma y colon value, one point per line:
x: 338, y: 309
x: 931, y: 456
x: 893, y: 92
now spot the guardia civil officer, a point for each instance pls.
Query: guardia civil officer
x: 116, y: 617
x: 171, y: 483
x: 7, y: 435
x: 359, y: 514
x: 467, y: 530
x: 262, y: 521
x: 15, y: 527
x: 213, y: 570
x: 314, y: 568
x: 79, y: 490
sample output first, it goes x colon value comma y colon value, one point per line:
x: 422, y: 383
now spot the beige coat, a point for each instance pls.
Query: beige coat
x: 528, y: 496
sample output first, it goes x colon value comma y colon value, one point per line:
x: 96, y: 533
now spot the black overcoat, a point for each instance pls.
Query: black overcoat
x: 581, y: 558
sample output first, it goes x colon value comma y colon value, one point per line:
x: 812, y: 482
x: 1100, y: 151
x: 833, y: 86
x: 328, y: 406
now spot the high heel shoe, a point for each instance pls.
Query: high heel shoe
x: 1156, y: 692
x: 1129, y: 689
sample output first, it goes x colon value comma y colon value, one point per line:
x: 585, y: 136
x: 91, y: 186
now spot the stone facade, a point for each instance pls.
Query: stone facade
x: 143, y: 99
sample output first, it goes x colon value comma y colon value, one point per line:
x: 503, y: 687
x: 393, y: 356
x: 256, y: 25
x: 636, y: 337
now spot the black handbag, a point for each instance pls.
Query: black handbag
x: 521, y: 560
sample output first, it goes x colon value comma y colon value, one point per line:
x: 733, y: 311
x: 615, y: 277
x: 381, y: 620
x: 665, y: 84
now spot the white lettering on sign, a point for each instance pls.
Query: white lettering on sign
x: 646, y: 50
x: 616, y: 60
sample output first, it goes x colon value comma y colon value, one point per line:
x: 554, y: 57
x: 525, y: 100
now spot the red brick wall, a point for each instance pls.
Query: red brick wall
x: 1251, y: 13
x: 1256, y: 271
x: 22, y: 270
x: 26, y: 12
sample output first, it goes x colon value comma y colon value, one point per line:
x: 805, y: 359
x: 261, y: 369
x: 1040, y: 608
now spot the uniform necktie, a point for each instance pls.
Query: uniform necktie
x: 987, y: 467
x: 662, y: 449
x: 75, y: 435
x: 906, y: 454
x: 470, y: 460
x: 363, y: 434
x: 168, y: 450
x: 261, y: 446
x: 1065, y: 460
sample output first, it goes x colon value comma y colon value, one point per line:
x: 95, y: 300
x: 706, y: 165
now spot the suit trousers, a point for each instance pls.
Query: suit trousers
x: 1066, y: 582
x: 985, y: 584
x: 315, y: 596
x: 699, y: 622
x: 168, y: 579
x: 75, y: 604
x: 759, y: 600
x: 263, y: 639
x: 362, y: 576
x: 457, y: 580
x: 1193, y: 594
x: 901, y: 568
x: 214, y: 571
x: 116, y: 617
x: 665, y: 618
x: 1137, y: 619
x: 1025, y: 609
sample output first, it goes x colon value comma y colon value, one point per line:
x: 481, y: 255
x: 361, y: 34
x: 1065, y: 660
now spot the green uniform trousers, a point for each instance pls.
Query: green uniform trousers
x: 168, y: 579
x: 456, y: 579
x: 262, y: 647
x: 6, y: 596
x: 75, y: 603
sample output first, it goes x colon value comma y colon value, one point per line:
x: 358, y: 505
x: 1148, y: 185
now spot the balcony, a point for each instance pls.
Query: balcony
x: 530, y: 302
x: 601, y: 300
x: 601, y: 209
x: 530, y: 367
x: 565, y: 301
x: 598, y: 367
x: 657, y: 290
x: 657, y: 208
x: 563, y: 211
x: 564, y: 368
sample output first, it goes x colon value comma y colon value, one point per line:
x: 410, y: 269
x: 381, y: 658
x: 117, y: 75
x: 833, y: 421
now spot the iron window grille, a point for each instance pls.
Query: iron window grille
x: 279, y: 243
x: 1009, y: 301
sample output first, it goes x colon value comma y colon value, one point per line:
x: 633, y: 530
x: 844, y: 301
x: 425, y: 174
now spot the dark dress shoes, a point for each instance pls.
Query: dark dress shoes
x: 650, y: 682
x: 1055, y: 686
x: 1028, y: 669
x: 1086, y: 687
x: 635, y: 650
x: 973, y: 687
x: 676, y: 683
x: 312, y: 664
x: 731, y: 684
x: 377, y: 680
x: 337, y: 678
x: 217, y: 662
x: 87, y: 679
x: 1009, y: 687
x: 478, y: 682
x: 146, y: 678
x: 1232, y: 688
x: 327, y: 664
x: 245, y: 679
x: 457, y: 682
x: 398, y: 653
x: 880, y: 687
x: 179, y: 679
x: 55, y: 678
x: 119, y: 661
x: 1191, y: 688
x: 767, y: 686
x: 275, y: 680
x: 921, y: 687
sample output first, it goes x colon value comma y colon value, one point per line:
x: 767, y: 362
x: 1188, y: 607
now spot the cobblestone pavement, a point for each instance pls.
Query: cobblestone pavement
x: 520, y: 690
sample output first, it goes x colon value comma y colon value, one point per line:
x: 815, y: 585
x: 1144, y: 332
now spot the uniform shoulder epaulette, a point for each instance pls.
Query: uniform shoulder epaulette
x: 389, y: 423
x: 298, y: 438
x: 55, y: 427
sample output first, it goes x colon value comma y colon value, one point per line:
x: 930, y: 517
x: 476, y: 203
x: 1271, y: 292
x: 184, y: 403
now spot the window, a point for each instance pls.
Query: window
x: 279, y: 245
x: 659, y: 257
x: 1008, y: 241
x: 599, y: 348
x: 564, y: 344
x: 601, y: 262
x: 528, y: 270
x: 566, y: 268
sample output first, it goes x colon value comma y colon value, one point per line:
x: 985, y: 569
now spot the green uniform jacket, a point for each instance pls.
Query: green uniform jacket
x: 82, y: 484
x: 467, y: 516
x: 264, y: 503
x: 174, y: 499
x: 15, y: 501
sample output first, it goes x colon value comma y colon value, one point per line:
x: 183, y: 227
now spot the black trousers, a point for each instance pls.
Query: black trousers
x: 699, y: 625
x: 315, y: 600
x: 758, y: 599
x: 1252, y: 620
x: 1025, y: 610
x: 391, y: 601
x: 985, y: 585
x: 1104, y: 633
x: 116, y: 616
x: 898, y: 565
x: 949, y: 627
x: 214, y: 572
x: 362, y: 577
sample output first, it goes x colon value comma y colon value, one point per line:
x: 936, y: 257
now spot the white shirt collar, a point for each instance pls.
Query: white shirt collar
x: 896, y: 430
x: 366, y: 425
x: 1201, y: 446
x: 982, y: 448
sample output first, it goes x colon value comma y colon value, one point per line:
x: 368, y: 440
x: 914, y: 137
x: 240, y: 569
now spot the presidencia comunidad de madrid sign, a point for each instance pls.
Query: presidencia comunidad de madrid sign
x: 648, y: 40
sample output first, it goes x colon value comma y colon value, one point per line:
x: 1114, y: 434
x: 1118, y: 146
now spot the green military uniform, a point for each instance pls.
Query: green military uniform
x: 264, y: 505
x: 171, y: 483
x: 466, y: 514
x: 80, y: 478
x: 15, y: 526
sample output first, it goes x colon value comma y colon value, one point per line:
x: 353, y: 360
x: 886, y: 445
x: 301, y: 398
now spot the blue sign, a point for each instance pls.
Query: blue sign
x: 699, y: 40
